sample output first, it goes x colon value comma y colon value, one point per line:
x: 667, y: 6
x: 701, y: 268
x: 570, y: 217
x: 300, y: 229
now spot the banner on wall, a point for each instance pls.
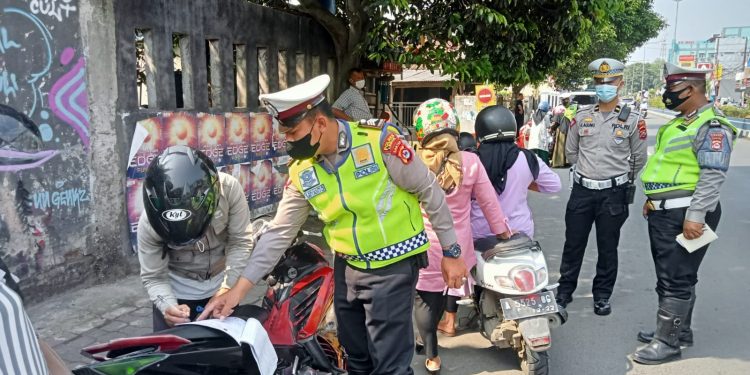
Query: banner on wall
x: 247, y: 146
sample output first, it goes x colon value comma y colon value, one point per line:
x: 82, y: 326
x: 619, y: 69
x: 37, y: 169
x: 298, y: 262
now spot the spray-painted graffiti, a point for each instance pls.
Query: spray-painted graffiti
x: 64, y: 198
x: 37, y: 39
x: 67, y: 98
x: 53, y: 8
x: 44, y: 136
x: 20, y: 142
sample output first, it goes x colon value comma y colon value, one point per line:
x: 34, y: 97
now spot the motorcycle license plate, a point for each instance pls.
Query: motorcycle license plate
x: 528, y: 305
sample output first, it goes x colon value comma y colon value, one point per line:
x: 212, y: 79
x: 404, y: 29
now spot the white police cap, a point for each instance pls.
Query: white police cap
x: 290, y: 105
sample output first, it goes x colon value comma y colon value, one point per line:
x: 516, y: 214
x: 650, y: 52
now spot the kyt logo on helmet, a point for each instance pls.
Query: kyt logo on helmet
x: 176, y: 214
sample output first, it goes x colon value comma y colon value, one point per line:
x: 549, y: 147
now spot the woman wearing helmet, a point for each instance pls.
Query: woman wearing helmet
x: 512, y: 170
x: 462, y: 177
x: 194, y: 236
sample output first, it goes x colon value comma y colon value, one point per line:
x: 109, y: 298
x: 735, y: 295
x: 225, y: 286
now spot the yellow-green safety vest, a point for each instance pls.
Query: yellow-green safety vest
x: 570, y: 111
x: 369, y: 220
x: 674, y: 165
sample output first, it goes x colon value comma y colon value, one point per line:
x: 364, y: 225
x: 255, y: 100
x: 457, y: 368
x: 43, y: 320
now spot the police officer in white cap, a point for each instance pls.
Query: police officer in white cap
x: 682, y: 180
x: 607, y: 144
x: 366, y: 185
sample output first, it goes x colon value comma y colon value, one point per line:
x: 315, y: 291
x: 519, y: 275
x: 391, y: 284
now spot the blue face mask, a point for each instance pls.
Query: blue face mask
x: 606, y: 93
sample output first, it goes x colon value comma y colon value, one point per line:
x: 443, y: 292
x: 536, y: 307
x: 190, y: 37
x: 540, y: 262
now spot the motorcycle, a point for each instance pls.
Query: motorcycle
x: 296, y: 313
x: 644, y: 110
x: 514, y: 303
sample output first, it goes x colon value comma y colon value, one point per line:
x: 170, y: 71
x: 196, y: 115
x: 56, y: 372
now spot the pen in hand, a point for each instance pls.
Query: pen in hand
x: 174, y: 313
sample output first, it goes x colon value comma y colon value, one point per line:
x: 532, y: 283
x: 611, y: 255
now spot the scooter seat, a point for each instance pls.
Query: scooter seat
x: 491, y: 247
x: 246, y: 312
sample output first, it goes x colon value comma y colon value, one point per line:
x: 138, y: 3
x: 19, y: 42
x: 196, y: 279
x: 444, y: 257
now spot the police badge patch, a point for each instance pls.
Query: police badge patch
x: 311, y: 186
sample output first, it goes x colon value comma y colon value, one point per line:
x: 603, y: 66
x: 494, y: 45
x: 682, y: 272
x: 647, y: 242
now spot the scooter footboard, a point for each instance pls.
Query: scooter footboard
x: 535, y: 332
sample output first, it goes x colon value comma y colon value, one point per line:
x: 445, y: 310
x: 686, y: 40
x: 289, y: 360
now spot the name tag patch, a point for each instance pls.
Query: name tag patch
x: 366, y: 171
x: 314, y: 191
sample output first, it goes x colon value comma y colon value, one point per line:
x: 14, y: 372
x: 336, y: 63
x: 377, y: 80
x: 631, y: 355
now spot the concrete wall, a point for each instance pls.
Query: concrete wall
x: 70, y: 66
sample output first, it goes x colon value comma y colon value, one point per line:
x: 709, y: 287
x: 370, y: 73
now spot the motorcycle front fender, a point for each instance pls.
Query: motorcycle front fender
x: 535, y: 332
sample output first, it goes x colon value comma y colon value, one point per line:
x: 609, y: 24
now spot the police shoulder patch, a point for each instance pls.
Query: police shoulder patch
x: 394, y: 145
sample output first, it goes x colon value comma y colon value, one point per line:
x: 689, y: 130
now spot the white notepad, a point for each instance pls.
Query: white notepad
x: 692, y: 245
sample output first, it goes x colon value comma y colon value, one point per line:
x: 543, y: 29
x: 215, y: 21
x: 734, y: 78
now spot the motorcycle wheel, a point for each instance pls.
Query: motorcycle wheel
x: 534, y: 363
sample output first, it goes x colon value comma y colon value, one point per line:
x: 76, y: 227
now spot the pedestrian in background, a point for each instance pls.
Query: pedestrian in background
x: 607, y: 144
x: 519, y: 112
x: 351, y: 104
x: 539, y: 138
x: 463, y: 178
x: 682, y: 180
x: 560, y: 126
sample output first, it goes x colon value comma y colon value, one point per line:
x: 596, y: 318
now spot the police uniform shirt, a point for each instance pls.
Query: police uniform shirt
x: 414, y: 177
x: 603, y: 147
x: 706, y: 194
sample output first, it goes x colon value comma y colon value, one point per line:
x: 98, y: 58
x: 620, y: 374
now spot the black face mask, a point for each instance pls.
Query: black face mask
x: 672, y: 100
x: 301, y: 149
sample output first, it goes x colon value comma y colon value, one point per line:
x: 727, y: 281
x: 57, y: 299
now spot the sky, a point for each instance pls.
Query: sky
x: 697, y: 20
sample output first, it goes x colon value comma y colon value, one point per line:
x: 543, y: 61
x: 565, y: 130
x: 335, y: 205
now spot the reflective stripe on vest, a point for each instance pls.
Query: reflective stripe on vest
x: 674, y: 165
x: 368, y: 220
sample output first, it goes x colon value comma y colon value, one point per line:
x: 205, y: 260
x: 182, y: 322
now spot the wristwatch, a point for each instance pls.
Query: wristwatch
x: 452, y: 252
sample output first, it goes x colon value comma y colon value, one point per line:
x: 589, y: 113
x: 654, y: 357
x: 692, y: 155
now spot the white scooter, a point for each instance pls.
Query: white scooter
x: 515, y: 305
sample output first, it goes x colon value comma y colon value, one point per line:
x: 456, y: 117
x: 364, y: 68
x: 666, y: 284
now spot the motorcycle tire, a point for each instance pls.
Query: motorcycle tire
x: 535, y: 363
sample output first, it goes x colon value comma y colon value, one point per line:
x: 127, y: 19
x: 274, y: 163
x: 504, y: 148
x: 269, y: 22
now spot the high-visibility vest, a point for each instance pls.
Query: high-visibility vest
x: 369, y: 220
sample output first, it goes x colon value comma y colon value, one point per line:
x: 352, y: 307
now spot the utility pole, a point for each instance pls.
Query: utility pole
x: 643, y: 68
x: 716, y: 68
x: 674, y: 37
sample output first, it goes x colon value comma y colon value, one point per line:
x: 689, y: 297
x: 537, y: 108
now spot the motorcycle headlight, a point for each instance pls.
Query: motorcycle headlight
x: 128, y: 366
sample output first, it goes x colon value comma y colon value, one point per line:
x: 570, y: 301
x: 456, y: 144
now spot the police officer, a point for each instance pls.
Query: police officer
x: 366, y: 185
x: 682, y: 181
x: 607, y: 144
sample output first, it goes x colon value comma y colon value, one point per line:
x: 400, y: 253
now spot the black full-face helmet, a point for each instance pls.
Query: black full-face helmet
x: 180, y: 194
x: 495, y: 124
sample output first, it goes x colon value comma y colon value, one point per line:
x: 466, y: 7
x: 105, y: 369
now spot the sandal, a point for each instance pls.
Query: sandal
x: 432, y: 370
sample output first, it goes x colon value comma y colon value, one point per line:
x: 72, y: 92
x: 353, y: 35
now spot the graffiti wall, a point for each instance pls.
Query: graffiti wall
x: 247, y: 146
x: 44, y: 135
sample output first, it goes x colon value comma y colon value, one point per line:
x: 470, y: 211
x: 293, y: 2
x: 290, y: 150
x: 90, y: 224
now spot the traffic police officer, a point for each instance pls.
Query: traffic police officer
x: 607, y: 144
x: 682, y: 181
x: 366, y: 185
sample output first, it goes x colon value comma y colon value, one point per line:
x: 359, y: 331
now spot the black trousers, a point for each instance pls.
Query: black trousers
x: 428, y: 308
x: 196, y: 307
x: 374, y: 314
x: 607, y: 208
x: 676, y: 269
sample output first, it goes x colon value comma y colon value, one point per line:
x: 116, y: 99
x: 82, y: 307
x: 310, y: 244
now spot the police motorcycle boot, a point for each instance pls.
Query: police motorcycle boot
x: 686, y: 334
x: 665, y: 346
x: 602, y: 306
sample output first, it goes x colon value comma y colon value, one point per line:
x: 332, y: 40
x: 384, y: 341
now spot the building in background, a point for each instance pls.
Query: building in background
x: 727, y: 54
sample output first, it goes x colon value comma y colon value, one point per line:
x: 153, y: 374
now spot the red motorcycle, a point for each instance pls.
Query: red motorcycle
x: 297, y: 314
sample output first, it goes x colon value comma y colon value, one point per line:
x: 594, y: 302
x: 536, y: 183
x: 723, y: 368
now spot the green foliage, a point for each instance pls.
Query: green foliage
x: 650, y: 72
x: 626, y: 27
x: 654, y: 101
x: 732, y: 111
x: 502, y: 41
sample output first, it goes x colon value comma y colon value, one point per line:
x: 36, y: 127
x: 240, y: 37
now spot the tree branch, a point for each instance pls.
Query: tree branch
x: 335, y: 26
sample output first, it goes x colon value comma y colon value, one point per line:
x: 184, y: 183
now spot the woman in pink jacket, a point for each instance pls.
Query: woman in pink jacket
x: 462, y: 177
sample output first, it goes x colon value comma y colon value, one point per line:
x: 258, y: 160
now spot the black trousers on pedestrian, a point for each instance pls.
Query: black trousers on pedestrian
x: 374, y: 313
x: 607, y: 208
x: 676, y: 268
x: 428, y: 308
x: 196, y: 307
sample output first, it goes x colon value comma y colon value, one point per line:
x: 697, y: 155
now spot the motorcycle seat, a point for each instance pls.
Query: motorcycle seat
x: 246, y: 312
x: 491, y: 247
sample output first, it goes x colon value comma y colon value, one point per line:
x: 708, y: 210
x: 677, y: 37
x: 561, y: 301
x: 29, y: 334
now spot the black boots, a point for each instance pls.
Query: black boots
x: 665, y: 345
x: 686, y: 334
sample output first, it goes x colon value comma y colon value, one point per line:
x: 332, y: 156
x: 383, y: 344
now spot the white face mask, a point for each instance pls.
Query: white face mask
x: 360, y: 84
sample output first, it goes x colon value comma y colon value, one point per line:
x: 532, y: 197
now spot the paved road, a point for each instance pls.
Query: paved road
x: 590, y: 344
